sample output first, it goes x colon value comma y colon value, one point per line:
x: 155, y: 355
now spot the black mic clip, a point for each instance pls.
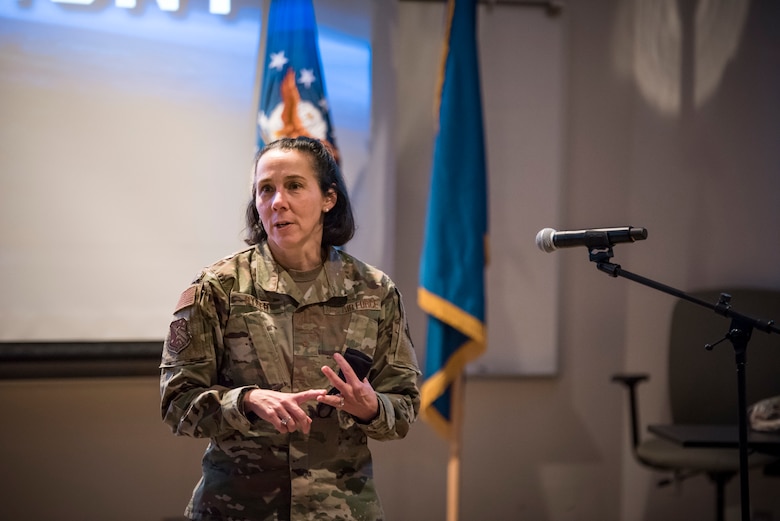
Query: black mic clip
x: 599, y: 254
x: 599, y: 246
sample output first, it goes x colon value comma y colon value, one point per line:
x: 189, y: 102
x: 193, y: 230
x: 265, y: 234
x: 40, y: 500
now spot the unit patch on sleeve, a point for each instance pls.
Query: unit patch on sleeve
x: 179, y: 336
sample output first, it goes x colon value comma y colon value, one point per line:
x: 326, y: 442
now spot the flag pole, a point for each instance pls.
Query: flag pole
x: 453, y: 465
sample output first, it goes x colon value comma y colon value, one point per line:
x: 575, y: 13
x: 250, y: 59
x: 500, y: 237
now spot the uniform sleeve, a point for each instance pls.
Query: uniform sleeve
x: 397, y: 375
x: 192, y: 401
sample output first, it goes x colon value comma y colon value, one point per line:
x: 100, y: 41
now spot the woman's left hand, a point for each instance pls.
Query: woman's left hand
x: 356, y: 397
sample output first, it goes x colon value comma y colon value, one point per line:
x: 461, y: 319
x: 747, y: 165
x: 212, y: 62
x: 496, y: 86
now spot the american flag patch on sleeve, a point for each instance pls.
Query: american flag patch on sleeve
x: 186, y: 299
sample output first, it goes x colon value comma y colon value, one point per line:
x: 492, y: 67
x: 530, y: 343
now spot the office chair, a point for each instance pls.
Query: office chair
x: 703, y: 386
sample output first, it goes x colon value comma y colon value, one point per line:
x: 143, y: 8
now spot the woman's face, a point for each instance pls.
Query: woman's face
x: 291, y: 205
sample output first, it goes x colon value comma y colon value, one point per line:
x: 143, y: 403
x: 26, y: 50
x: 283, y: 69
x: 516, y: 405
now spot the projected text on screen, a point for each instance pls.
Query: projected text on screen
x: 215, y: 6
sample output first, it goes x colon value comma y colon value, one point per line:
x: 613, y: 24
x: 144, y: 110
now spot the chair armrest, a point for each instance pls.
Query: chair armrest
x: 630, y: 381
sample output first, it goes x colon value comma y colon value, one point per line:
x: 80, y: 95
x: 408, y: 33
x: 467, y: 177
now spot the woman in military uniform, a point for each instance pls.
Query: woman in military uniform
x: 255, y: 356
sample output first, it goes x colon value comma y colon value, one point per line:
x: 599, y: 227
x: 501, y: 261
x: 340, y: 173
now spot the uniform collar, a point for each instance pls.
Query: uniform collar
x: 270, y: 276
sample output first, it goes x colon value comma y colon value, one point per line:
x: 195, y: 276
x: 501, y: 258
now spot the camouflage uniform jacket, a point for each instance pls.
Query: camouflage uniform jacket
x: 244, y: 324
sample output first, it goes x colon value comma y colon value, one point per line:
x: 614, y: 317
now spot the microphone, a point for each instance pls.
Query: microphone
x: 549, y: 239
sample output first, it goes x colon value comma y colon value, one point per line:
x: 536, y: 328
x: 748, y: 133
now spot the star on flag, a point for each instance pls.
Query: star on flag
x: 278, y: 60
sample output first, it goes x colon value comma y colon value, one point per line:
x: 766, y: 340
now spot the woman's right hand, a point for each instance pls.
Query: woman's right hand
x: 282, y: 410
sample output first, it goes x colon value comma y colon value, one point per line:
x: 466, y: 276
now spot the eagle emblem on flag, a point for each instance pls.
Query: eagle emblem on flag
x: 293, y: 100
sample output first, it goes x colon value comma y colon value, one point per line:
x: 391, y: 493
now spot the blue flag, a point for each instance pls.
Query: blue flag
x: 293, y: 99
x: 452, y: 271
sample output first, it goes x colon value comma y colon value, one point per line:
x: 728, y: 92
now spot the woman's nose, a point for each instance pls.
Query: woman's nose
x: 278, y: 200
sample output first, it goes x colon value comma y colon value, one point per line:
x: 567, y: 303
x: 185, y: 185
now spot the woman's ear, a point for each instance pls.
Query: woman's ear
x: 330, y: 200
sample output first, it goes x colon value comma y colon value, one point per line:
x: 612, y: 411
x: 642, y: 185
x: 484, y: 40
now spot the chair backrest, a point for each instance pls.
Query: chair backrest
x: 703, y: 384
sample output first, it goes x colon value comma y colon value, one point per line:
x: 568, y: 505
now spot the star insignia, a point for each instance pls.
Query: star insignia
x: 307, y: 77
x: 278, y: 60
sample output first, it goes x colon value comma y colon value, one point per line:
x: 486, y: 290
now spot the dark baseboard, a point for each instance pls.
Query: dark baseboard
x: 35, y: 360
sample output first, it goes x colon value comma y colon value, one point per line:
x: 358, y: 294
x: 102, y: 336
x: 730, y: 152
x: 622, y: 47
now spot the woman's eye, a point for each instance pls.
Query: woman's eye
x: 264, y: 189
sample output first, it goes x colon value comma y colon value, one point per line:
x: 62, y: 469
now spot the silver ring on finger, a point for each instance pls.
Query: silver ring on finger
x: 285, y: 421
x: 341, y: 403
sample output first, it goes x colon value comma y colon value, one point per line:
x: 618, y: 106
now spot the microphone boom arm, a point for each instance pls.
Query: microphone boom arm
x: 722, y: 307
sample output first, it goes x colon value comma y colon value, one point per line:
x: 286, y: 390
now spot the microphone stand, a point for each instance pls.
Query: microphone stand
x: 740, y: 331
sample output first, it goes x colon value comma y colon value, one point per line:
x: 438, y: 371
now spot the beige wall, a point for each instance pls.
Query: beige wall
x: 703, y: 180
x: 92, y: 449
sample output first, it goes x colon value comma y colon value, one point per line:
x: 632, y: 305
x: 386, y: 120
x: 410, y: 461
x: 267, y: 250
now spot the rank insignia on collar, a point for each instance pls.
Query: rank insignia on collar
x: 179, y: 336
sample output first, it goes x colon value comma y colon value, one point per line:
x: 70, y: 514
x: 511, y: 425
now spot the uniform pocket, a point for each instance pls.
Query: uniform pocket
x: 255, y: 344
x: 362, y: 333
x: 360, y: 326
